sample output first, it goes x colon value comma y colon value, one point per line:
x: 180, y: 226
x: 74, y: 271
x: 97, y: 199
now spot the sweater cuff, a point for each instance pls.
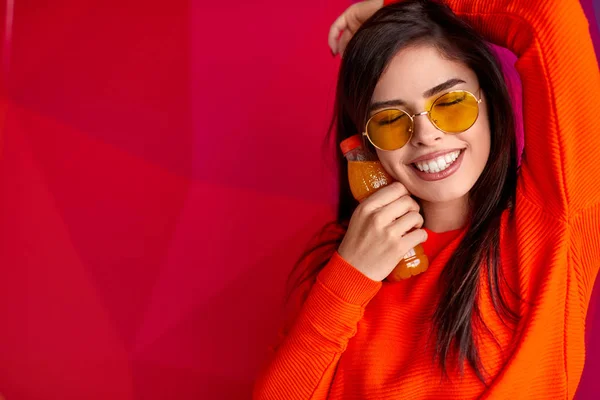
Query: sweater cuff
x: 388, y: 2
x: 346, y: 282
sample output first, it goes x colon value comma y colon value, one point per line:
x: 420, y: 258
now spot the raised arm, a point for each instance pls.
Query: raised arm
x: 560, y: 170
x: 561, y: 88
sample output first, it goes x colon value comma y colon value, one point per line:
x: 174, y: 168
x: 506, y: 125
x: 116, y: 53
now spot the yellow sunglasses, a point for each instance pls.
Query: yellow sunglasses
x: 452, y: 112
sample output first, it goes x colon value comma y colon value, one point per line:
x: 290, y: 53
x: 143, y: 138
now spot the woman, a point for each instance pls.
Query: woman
x: 514, y: 252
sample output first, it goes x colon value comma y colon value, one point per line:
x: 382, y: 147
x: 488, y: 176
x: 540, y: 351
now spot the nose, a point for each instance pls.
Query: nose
x: 425, y: 134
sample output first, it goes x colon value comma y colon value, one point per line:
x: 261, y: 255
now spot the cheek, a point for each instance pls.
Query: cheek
x: 393, y: 164
x: 485, y: 135
x: 478, y: 139
x: 481, y: 146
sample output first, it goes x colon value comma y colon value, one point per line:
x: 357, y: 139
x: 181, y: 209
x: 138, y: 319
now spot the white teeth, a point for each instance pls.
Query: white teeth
x: 438, y: 164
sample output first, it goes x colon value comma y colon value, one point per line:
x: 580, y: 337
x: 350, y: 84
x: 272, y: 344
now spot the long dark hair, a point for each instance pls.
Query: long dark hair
x: 372, y: 47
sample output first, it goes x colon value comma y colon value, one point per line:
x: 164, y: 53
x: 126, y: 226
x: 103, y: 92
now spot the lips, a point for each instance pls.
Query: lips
x: 437, y: 175
x: 439, y: 163
x: 433, y: 155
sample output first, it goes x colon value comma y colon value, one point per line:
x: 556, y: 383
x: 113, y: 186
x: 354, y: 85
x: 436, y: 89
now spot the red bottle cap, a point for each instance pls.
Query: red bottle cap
x: 351, y: 143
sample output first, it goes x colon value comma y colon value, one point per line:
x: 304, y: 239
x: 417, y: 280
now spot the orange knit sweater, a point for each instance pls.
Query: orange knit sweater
x: 355, y: 338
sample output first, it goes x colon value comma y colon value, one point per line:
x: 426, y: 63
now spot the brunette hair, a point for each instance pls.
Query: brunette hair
x: 390, y: 29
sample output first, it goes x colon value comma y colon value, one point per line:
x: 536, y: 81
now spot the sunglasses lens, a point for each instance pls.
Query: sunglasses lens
x: 455, y: 112
x: 389, y: 129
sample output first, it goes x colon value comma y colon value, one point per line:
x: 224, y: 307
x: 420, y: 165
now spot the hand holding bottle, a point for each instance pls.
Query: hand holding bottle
x: 380, y: 231
x: 394, y: 211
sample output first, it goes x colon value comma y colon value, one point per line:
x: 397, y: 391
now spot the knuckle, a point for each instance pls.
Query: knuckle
x: 398, y: 186
x: 363, y: 210
x: 407, y: 203
x: 416, y: 216
x: 414, y: 203
x: 410, y: 204
x: 390, y: 234
x: 360, y: 207
x: 402, y: 192
x: 378, y: 220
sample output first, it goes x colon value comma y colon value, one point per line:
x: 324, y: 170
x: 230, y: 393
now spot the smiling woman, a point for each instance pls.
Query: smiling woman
x: 514, y: 253
x: 416, y: 74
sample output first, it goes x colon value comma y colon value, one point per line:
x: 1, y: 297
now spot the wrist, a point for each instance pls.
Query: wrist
x: 347, y: 282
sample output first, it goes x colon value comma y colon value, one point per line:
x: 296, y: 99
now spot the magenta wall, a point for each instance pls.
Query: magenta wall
x: 161, y: 171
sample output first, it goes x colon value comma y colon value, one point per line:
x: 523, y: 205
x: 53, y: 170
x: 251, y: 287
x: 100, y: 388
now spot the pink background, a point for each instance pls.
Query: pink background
x: 161, y: 171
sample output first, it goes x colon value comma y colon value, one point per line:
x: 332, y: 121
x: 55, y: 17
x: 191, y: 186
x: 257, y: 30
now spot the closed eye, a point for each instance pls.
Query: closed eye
x: 451, y: 103
x: 389, y: 121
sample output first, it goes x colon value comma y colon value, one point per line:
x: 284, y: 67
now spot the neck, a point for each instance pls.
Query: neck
x: 445, y: 216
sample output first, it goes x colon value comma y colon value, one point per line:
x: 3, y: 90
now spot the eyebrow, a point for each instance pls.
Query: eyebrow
x: 428, y: 93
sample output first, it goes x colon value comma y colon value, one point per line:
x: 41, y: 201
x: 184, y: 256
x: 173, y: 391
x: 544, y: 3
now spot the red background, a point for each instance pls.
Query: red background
x: 161, y: 171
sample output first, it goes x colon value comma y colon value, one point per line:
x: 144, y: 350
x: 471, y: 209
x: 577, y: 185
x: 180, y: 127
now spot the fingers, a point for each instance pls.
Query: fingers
x: 337, y: 27
x: 388, y: 214
x: 414, y: 238
x: 349, y: 22
x: 384, y: 196
x: 409, y: 221
x: 343, y: 42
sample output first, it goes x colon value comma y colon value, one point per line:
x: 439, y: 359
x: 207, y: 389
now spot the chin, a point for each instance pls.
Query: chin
x: 439, y: 195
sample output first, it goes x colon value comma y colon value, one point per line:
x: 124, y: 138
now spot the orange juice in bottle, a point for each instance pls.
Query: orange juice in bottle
x: 366, y: 175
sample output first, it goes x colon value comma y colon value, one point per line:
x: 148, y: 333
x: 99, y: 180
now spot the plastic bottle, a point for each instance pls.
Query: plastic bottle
x: 366, y: 175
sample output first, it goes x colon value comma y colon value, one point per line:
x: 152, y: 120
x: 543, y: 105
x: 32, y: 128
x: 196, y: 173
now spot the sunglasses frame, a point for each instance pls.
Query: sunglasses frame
x: 428, y: 113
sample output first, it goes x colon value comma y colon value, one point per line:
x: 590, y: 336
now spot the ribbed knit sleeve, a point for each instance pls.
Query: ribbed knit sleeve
x: 304, y: 362
x: 585, y: 241
x: 561, y: 84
